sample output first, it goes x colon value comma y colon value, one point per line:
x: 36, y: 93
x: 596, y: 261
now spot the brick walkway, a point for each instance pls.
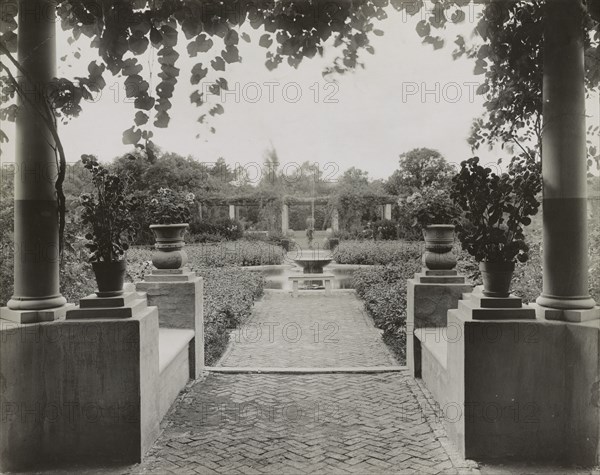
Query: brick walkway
x: 304, y: 423
x: 311, y: 331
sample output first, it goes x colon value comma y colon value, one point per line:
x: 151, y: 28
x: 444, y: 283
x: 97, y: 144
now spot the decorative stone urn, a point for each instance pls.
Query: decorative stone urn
x: 169, y: 252
x: 439, y: 239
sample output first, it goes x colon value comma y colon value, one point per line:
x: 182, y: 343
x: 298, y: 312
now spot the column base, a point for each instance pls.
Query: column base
x: 35, y: 316
x: 567, y: 315
x: 566, y: 303
x: 16, y: 303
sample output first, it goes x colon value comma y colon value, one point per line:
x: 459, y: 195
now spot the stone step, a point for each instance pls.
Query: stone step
x: 471, y: 309
x: 93, y: 301
x: 440, y: 279
x: 138, y: 305
x: 170, y: 277
x: 483, y: 301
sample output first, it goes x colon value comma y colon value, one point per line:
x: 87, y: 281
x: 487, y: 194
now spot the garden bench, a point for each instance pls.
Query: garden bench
x: 296, y: 279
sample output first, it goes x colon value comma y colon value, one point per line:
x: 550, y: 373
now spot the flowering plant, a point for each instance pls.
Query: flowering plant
x: 107, y: 213
x: 170, y: 207
x: 431, y: 206
x: 497, y: 208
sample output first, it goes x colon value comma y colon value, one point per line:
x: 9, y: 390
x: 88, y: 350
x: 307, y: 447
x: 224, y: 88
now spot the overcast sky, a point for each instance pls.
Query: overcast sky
x: 407, y: 96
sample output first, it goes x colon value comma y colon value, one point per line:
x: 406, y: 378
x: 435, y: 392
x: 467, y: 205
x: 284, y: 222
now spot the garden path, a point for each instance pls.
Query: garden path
x: 304, y: 422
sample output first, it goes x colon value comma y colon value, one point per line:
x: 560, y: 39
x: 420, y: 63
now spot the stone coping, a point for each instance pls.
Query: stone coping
x: 297, y: 370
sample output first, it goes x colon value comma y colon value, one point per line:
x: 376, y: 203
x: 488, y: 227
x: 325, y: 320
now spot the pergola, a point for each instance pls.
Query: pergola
x: 565, y: 297
x: 385, y: 201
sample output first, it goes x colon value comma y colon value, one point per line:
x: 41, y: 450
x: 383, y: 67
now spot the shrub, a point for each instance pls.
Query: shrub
x: 216, y: 230
x: 344, y: 235
x: 240, y: 253
x: 383, y: 289
x: 377, y: 253
x: 229, y: 294
x: 385, y: 229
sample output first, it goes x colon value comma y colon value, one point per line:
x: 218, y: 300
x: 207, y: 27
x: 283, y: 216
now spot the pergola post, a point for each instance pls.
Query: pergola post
x: 232, y: 212
x: 285, y: 225
x: 335, y: 220
x: 565, y: 259
x: 387, y: 211
x: 36, y: 253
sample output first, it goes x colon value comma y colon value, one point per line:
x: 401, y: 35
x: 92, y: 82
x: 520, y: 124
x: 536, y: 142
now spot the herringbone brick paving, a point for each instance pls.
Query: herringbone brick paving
x: 313, y: 330
x: 339, y: 423
x: 304, y: 423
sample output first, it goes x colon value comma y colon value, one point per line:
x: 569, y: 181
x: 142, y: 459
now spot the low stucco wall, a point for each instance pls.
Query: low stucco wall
x: 86, y: 393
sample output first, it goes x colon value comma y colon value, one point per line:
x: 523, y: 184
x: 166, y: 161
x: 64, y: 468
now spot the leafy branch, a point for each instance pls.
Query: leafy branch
x: 48, y: 116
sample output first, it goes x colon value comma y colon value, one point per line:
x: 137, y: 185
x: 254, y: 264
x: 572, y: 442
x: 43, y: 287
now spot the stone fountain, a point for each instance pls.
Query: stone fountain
x: 312, y: 262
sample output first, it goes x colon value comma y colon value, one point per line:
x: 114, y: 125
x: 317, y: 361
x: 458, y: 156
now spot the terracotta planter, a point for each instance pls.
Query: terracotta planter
x: 169, y: 252
x: 110, y: 277
x: 496, y: 278
x: 439, y: 239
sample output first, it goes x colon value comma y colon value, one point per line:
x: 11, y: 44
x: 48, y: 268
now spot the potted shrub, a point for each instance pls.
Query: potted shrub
x: 435, y: 214
x: 107, y: 214
x: 496, y: 209
x: 169, y: 213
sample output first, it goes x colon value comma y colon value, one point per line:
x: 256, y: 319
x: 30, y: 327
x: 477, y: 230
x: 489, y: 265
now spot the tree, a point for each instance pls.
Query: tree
x: 508, y: 53
x: 418, y: 169
x: 270, y: 179
x: 354, y: 178
x: 122, y: 31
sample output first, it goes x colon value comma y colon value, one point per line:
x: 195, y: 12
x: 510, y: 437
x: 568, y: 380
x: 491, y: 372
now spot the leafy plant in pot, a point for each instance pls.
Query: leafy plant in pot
x: 169, y: 211
x: 496, y: 209
x: 107, y: 214
x: 435, y: 214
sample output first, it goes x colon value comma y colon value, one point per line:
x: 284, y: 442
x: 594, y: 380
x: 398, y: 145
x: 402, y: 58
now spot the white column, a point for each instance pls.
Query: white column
x: 36, y: 279
x: 284, y: 218
x: 335, y: 220
x: 565, y: 260
x: 231, y: 211
x: 387, y: 211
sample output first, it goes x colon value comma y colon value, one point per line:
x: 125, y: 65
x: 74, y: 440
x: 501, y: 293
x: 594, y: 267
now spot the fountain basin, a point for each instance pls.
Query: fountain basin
x: 312, y: 265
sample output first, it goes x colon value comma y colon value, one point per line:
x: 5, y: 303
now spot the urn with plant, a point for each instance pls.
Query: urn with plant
x: 496, y: 210
x: 169, y: 212
x: 435, y: 214
x: 106, y: 212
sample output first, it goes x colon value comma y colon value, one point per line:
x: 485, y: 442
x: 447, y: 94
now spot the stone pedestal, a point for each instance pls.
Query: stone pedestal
x: 510, y: 386
x: 429, y: 297
x: 79, y: 391
x: 178, y: 294
x: 33, y: 316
